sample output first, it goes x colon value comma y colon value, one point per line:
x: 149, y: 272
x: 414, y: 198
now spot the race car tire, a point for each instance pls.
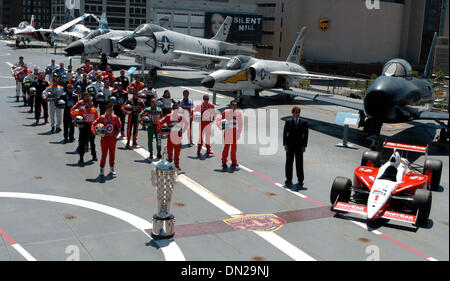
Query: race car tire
x: 422, y: 203
x: 436, y: 170
x: 340, y: 190
x: 371, y: 158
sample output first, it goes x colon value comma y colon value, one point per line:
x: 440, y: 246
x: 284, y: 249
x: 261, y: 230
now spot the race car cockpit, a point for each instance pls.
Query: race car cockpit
x: 390, y: 173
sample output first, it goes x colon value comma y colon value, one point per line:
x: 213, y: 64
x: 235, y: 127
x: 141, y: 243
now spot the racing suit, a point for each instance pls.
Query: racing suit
x: 83, y: 84
x: 208, y: 113
x: 124, y: 80
x: 188, y: 105
x: 152, y: 131
x: 137, y: 105
x: 98, y: 86
x: 30, y: 78
x: 150, y: 94
x: 39, y: 101
x: 178, y: 125
x: 50, y: 69
x: 56, y: 91
x: 108, y: 142
x: 20, y: 77
x: 86, y: 135
x: 107, y: 91
x: 122, y: 97
x: 137, y: 86
x: 70, y: 99
x: 166, y: 105
x: 231, y: 131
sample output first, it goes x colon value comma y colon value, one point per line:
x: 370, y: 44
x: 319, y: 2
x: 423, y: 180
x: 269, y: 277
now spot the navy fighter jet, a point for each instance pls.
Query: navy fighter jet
x: 100, y: 41
x: 160, y: 46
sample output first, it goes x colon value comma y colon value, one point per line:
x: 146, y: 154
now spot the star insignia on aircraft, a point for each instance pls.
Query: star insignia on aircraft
x: 165, y: 44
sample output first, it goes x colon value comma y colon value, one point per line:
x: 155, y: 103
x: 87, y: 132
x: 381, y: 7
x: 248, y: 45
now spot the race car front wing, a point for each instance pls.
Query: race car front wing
x: 362, y: 210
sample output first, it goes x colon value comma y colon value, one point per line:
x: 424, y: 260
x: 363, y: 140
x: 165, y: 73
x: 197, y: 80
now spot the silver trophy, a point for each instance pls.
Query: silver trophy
x: 164, y: 177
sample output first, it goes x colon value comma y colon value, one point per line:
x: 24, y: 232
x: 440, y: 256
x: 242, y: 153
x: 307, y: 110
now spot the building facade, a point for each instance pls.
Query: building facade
x: 13, y: 12
x: 345, y: 34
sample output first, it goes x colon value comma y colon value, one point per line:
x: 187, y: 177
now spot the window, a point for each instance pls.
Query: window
x: 281, y: 36
x: 197, y: 19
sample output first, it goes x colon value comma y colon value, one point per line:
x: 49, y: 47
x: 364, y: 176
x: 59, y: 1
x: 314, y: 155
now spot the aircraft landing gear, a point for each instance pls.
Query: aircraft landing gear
x: 257, y: 93
x: 104, y: 61
x: 442, y: 138
x: 239, y: 98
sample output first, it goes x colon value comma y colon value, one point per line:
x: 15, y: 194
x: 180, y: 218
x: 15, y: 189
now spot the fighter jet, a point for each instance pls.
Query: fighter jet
x: 61, y: 35
x: 24, y: 32
x: 243, y: 73
x: 394, y: 97
x: 160, y: 46
x: 101, y: 41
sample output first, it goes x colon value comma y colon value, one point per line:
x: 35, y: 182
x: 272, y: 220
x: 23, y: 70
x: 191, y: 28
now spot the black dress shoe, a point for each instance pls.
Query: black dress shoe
x: 287, y: 183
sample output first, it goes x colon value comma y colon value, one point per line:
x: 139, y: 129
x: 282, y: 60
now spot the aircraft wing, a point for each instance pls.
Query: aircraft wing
x: 312, y: 76
x: 429, y: 115
x: 201, y: 57
x: 70, y: 24
x: 324, y: 98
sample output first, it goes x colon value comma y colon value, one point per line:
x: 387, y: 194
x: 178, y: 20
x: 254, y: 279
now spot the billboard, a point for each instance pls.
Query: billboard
x: 244, y: 28
x: 72, y: 10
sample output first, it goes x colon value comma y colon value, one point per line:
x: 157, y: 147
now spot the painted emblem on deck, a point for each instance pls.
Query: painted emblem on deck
x: 256, y: 222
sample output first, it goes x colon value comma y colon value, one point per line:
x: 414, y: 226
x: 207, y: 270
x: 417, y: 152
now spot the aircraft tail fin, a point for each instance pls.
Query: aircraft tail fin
x: 53, y: 21
x: 103, y: 23
x: 430, y: 61
x: 296, y: 54
x: 224, y: 29
x: 32, y: 21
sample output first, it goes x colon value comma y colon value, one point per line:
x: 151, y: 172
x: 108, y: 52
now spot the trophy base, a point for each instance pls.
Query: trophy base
x: 163, y: 227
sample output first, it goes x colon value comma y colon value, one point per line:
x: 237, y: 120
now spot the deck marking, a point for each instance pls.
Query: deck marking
x: 16, y: 246
x: 171, y: 251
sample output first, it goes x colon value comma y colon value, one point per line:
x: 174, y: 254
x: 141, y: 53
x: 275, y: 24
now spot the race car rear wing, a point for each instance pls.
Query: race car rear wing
x: 406, y: 147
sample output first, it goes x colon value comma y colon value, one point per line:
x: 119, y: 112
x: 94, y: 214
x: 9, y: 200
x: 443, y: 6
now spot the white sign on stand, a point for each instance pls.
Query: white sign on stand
x: 346, y: 119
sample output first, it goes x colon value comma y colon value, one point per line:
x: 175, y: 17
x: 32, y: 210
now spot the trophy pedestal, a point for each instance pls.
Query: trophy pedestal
x: 163, y: 227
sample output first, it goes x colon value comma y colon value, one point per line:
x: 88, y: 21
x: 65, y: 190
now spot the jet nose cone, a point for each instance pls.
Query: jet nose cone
x: 76, y: 48
x: 128, y: 42
x: 208, y: 82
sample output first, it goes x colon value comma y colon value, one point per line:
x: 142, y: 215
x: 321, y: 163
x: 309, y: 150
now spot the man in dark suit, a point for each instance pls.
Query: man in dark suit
x: 295, y: 140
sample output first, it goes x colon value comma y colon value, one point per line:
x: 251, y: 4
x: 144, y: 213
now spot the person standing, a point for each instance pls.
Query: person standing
x: 52, y: 95
x: 123, y: 79
x: 167, y: 103
x: 20, y: 77
x: 207, y: 112
x: 187, y: 104
x: 177, y: 124
x: 231, y: 123
x: 149, y: 92
x: 27, y: 82
x: 70, y: 98
x: 137, y: 84
x: 40, y: 85
x: 133, y: 107
x: 295, y: 141
x: 89, y: 114
x: 106, y: 93
x: 108, y: 142
x: 121, y: 96
x: 155, y: 114
x: 50, y: 68
x: 83, y: 82
x: 87, y: 66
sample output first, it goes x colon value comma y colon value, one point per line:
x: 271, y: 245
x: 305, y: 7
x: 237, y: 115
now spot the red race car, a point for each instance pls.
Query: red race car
x: 395, y: 190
